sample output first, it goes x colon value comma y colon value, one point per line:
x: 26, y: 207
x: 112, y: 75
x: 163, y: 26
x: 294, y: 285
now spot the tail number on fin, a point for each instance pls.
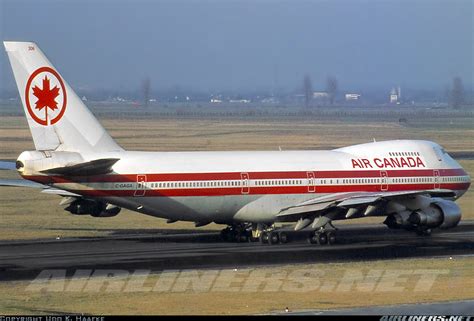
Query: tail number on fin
x: 45, y: 96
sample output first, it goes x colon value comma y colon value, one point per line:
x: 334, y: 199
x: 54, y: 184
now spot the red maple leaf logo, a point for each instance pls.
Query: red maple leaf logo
x: 46, y: 96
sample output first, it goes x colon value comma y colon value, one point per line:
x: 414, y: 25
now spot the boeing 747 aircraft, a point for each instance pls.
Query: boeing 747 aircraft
x: 413, y: 183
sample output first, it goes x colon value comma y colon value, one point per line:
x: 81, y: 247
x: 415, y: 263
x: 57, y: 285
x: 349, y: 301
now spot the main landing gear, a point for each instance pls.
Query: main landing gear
x: 237, y: 233
x: 253, y: 233
x: 273, y: 237
x: 267, y: 234
x: 322, y: 237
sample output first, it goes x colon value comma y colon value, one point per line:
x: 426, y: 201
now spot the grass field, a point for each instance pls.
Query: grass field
x: 332, y: 289
x: 40, y: 215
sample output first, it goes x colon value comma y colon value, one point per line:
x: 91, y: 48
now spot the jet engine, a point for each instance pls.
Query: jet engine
x: 93, y: 208
x: 440, y: 213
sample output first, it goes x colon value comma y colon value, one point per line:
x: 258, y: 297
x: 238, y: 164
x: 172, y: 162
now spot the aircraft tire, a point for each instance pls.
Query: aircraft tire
x: 313, y: 238
x: 283, y: 237
x: 331, y: 236
x: 322, y: 238
x: 264, y: 239
x: 273, y: 238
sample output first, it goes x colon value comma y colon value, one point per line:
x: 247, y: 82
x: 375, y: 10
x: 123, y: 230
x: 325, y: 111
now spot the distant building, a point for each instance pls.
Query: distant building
x: 395, y: 95
x: 270, y: 100
x: 244, y: 101
x: 215, y: 100
x: 320, y: 95
x: 352, y: 97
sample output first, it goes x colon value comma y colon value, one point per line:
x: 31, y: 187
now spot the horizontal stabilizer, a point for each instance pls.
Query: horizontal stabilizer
x: 21, y: 183
x: 56, y: 191
x: 95, y: 167
x: 45, y: 188
x: 7, y: 165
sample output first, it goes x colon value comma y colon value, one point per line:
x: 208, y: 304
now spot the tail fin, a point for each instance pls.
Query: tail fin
x: 58, y: 119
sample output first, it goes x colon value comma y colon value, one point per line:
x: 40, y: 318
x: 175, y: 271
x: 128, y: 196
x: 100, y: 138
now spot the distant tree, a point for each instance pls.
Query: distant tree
x: 457, y: 93
x: 308, y: 90
x: 146, y: 91
x: 331, y: 88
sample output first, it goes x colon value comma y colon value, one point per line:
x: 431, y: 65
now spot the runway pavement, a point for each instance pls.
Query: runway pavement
x: 158, y: 250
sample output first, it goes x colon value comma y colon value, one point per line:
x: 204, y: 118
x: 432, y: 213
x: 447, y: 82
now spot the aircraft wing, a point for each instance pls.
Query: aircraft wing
x: 343, y: 201
x: 45, y: 188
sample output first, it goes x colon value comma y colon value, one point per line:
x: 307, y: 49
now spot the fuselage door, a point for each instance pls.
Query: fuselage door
x: 141, y: 186
x: 383, y: 181
x: 436, y: 179
x: 311, y: 182
x: 245, y: 183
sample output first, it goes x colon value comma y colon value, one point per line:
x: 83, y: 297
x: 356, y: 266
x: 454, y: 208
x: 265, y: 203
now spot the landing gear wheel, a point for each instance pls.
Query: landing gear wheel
x: 322, y: 238
x: 331, y: 237
x: 283, y: 237
x: 264, y: 238
x: 313, y: 238
x: 273, y: 238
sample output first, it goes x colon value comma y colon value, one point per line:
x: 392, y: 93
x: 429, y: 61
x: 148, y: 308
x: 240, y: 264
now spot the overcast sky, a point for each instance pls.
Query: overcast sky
x: 241, y: 45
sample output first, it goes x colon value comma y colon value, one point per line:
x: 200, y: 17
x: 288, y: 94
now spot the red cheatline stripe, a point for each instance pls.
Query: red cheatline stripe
x: 252, y: 175
x: 270, y: 190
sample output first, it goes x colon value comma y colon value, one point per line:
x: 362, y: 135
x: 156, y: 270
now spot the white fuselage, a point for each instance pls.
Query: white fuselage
x: 229, y: 186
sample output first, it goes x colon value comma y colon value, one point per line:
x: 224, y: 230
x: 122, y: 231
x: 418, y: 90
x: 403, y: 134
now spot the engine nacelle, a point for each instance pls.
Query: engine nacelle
x: 398, y: 220
x: 93, y: 208
x: 440, y: 213
x: 432, y: 216
x: 443, y: 214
